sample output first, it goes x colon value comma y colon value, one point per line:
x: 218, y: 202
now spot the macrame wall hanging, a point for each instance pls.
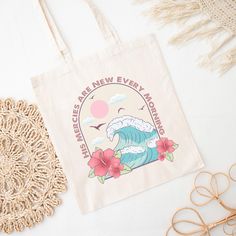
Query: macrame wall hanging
x: 30, y: 173
x: 214, y: 20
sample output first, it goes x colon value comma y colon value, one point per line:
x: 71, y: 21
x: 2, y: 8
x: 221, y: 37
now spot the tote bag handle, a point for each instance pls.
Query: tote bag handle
x: 109, y: 33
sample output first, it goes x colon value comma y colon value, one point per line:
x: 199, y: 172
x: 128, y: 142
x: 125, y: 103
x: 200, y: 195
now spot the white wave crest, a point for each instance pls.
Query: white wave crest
x: 126, y: 121
x: 132, y: 149
x: 152, y: 143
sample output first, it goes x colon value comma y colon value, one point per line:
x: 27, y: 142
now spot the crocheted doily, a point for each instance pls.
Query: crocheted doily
x: 30, y: 174
x: 222, y: 11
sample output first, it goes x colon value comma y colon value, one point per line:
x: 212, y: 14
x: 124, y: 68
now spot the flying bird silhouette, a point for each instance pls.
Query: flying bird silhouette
x: 97, y: 126
x: 142, y: 108
x: 92, y: 97
x: 120, y: 109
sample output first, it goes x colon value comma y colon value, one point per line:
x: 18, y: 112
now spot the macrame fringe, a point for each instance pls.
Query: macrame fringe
x: 225, y: 61
x: 169, y: 11
x: 181, y: 11
x: 199, y: 29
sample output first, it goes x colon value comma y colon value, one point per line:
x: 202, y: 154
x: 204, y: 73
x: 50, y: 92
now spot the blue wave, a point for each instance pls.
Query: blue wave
x: 130, y: 139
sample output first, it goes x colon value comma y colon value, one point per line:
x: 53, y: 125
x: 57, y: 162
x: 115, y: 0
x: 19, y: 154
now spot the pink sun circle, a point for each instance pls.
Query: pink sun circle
x: 99, y: 109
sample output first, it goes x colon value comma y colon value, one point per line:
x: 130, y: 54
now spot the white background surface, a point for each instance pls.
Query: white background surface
x: 208, y: 101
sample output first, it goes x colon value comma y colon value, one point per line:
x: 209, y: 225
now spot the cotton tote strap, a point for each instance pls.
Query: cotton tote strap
x: 57, y: 38
x: 109, y: 33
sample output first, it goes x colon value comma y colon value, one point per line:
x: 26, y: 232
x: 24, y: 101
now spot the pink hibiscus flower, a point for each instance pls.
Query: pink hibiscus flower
x: 162, y: 157
x: 101, y: 161
x: 115, y: 168
x: 165, y: 145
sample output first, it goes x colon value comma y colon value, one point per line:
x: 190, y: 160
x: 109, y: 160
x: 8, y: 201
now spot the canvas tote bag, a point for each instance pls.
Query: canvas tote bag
x: 114, y: 118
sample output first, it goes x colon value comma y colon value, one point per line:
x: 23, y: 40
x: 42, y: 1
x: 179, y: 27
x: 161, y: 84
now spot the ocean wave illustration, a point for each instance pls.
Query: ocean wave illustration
x: 137, y: 140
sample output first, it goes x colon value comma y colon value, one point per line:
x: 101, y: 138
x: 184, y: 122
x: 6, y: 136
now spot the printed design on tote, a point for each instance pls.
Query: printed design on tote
x: 119, y: 129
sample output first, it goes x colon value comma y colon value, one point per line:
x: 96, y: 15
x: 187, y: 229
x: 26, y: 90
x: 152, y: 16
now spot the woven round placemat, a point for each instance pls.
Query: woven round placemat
x: 30, y: 174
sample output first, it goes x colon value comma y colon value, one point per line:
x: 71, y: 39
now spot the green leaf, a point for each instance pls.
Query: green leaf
x: 91, y: 173
x: 101, y: 179
x: 118, y: 154
x: 175, y: 146
x: 126, y: 170
x: 170, y: 156
x: 97, y: 148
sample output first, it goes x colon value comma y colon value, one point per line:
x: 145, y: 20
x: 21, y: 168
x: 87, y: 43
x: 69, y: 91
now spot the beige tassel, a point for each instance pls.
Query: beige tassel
x: 226, y: 61
x: 191, y: 32
x: 169, y: 11
x: 206, y: 61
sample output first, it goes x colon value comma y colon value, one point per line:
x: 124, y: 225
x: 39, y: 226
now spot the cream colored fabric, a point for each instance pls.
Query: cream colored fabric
x: 212, y: 20
x: 30, y: 174
x: 223, y: 12
x: 116, y: 122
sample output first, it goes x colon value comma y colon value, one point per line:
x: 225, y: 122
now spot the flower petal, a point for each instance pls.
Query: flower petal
x: 161, y: 149
x: 116, y: 174
x: 169, y: 142
x: 170, y: 149
x: 162, y: 157
x: 121, y: 167
x: 108, y: 153
x: 115, y: 162
x: 161, y: 145
x: 93, y: 162
x: 100, y: 170
x: 160, y: 142
x: 106, y: 161
x: 97, y: 154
